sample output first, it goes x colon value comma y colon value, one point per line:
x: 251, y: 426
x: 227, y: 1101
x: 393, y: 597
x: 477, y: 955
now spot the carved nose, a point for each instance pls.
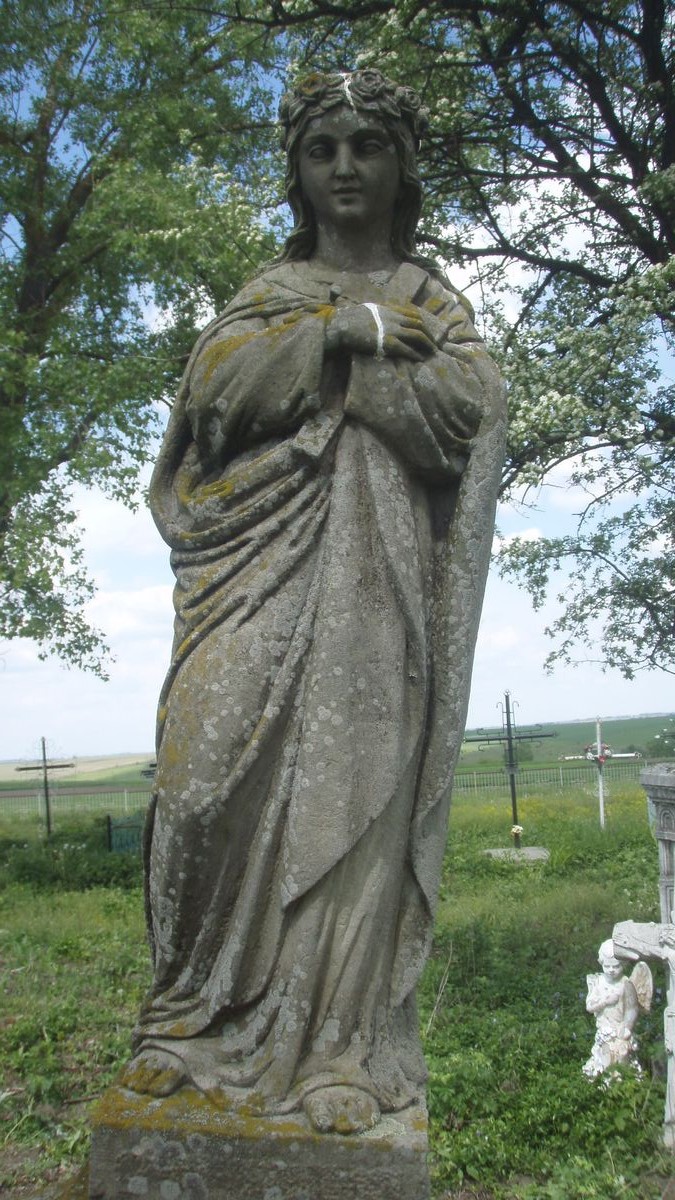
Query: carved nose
x: 344, y: 163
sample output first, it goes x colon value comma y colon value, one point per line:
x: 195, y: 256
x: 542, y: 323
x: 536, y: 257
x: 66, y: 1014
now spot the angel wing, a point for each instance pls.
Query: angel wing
x: 642, y: 981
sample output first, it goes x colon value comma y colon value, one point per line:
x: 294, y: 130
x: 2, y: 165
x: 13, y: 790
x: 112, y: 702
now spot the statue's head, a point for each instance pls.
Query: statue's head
x: 611, y: 965
x: 369, y: 92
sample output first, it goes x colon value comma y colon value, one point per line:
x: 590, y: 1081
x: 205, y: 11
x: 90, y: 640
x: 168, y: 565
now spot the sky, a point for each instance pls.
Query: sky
x: 80, y: 715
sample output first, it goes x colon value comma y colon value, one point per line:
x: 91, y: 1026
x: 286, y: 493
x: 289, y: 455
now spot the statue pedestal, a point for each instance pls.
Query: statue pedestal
x: 182, y: 1148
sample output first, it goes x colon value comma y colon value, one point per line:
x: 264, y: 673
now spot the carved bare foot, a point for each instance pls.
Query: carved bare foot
x: 341, y: 1109
x: 153, y: 1073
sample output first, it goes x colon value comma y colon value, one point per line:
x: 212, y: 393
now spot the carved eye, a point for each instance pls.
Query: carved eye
x: 319, y: 151
x: 371, y: 146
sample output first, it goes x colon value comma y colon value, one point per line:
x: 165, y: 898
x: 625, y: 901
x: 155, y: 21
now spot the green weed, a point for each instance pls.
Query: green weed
x: 75, y: 858
x: 506, y: 1040
x: 501, y: 1002
x: 75, y: 967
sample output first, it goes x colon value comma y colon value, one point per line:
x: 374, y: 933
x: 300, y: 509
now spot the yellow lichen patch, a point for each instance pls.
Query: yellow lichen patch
x: 324, y: 312
x: 141, y: 1078
x: 434, y: 304
x: 188, y: 1112
x: 185, y: 646
x: 192, y: 1111
x: 179, y: 1029
x: 218, y: 353
x: 221, y: 488
x: 170, y: 751
x: 407, y: 310
x: 183, y: 491
x: 203, y: 582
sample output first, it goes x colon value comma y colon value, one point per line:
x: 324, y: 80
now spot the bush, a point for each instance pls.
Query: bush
x: 74, y: 859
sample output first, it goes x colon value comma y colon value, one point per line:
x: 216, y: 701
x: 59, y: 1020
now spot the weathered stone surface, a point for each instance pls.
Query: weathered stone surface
x: 523, y: 856
x: 659, y: 784
x: 182, y: 1148
x: 327, y: 485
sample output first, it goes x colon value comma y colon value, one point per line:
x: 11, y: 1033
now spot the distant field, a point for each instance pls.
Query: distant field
x: 119, y: 769
x: 623, y: 734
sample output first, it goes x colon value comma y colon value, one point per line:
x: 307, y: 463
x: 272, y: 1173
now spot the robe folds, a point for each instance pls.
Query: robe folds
x: 330, y: 521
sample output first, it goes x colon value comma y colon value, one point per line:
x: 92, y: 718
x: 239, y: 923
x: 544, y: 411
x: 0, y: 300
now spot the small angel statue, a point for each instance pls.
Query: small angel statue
x: 616, y: 1002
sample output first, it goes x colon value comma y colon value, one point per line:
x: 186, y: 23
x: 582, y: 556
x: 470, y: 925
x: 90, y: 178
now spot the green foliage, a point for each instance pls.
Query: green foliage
x: 135, y: 159
x: 508, y: 1034
x: 77, y: 970
x: 75, y: 859
x: 551, y: 174
x: 610, y: 422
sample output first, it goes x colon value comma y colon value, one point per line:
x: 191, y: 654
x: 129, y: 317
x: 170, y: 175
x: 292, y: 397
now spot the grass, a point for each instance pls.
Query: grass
x: 509, y: 1105
x: 75, y: 968
x: 501, y: 1002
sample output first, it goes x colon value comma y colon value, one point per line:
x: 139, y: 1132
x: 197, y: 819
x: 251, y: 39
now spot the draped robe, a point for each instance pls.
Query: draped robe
x: 330, y: 520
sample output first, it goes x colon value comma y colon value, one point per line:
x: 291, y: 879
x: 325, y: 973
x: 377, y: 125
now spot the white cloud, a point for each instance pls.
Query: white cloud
x: 500, y: 637
x: 510, y: 654
x: 141, y: 612
x: 532, y: 534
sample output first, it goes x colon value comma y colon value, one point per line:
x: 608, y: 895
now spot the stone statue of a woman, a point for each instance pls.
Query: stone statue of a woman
x: 327, y: 485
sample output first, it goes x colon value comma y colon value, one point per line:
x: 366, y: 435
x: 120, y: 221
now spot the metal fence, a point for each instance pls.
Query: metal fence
x: 117, y: 801
x: 70, y: 803
x: 558, y: 778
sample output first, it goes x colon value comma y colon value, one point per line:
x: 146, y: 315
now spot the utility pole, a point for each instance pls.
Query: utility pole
x: 511, y: 736
x: 46, y: 767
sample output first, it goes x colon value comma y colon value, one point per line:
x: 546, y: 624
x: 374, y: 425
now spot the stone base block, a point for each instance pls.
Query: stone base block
x: 523, y: 856
x: 183, y: 1148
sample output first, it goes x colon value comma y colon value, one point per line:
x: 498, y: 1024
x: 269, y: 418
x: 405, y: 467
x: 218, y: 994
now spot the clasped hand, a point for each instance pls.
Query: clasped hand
x: 354, y: 328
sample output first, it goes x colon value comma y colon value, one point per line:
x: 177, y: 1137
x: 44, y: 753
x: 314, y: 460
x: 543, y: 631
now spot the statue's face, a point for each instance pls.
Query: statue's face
x: 349, y: 170
x: 612, y: 969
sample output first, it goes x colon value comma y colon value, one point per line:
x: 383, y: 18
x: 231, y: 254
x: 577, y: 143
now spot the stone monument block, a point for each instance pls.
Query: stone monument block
x: 183, y: 1148
x: 659, y: 784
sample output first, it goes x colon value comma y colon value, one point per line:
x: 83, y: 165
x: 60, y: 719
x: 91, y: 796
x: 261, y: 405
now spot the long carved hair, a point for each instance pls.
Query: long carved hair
x: 401, y: 112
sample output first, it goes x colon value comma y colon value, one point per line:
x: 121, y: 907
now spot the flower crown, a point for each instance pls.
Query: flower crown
x: 365, y: 91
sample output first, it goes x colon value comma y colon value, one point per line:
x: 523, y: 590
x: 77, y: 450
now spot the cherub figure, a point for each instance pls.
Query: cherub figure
x: 616, y: 1002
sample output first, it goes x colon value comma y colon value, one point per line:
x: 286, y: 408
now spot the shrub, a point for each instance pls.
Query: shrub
x: 74, y: 859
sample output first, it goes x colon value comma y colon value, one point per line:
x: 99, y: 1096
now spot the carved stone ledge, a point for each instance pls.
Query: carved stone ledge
x: 183, y: 1148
